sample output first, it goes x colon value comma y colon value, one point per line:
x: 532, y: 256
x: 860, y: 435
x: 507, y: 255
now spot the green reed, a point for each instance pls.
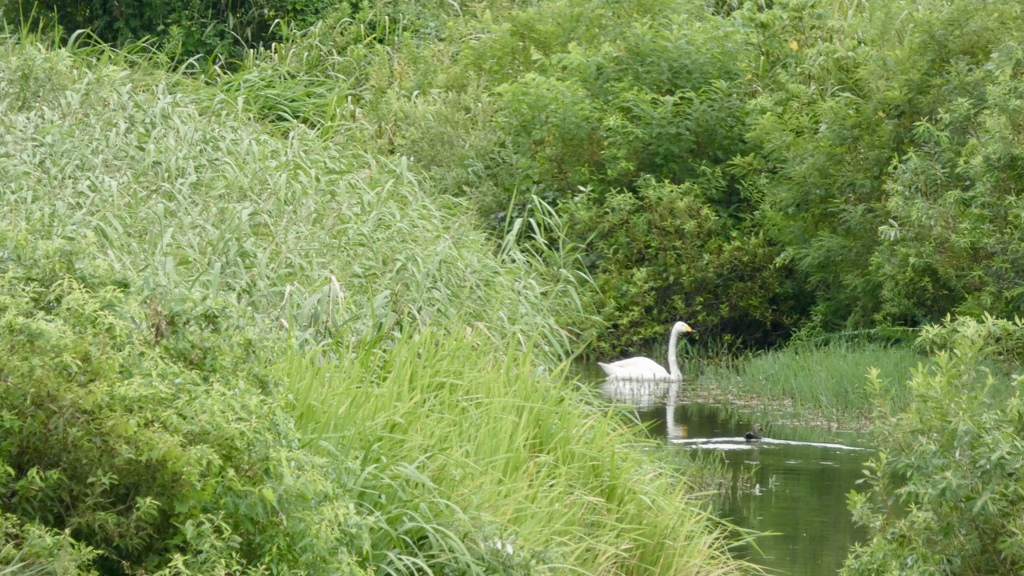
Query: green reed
x: 187, y: 194
x: 827, y: 380
x: 499, y: 435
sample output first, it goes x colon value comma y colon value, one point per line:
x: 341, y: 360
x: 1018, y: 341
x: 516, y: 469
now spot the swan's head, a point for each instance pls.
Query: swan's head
x: 681, y: 328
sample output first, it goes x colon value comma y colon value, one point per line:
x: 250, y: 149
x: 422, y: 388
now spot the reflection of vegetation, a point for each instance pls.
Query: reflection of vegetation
x: 801, y: 499
x: 707, y: 469
x: 795, y: 491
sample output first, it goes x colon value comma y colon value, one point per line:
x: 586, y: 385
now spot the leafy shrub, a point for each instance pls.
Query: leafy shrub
x: 1000, y: 340
x: 954, y: 238
x: 649, y: 96
x: 643, y: 112
x: 223, y: 28
x: 664, y: 253
x: 945, y: 494
x: 142, y: 442
x: 29, y: 549
x: 881, y: 166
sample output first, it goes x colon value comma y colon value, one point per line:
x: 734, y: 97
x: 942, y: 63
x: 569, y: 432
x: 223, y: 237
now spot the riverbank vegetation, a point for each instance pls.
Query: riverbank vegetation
x: 756, y: 169
x: 944, y: 493
x: 350, y: 244
x: 237, y: 348
x: 815, y: 383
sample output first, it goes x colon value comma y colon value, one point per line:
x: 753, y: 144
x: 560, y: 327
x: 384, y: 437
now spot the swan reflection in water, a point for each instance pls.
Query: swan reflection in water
x: 648, y: 395
x: 638, y: 393
x: 645, y: 396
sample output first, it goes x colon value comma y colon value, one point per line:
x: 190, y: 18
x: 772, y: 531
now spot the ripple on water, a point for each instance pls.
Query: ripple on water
x: 792, y: 484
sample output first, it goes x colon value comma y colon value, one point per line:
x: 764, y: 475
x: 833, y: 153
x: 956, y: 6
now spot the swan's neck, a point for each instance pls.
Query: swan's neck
x: 673, y: 365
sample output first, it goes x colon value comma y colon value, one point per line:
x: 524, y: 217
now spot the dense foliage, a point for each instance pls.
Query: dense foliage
x: 232, y: 347
x: 376, y: 172
x: 756, y: 168
x: 625, y: 117
x: 214, y: 29
x: 186, y: 195
x: 885, y: 166
x: 945, y: 493
x: 135, y: 441
x: 848, y: 165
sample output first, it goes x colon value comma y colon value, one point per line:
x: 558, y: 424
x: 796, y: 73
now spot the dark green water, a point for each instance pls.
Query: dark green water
x: 793, y: 483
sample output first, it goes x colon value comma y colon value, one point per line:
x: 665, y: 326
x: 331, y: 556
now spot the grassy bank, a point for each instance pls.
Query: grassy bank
x: 187, y: 194
x: 267, y: 269
x: 562, y: 480
x: 816, y: 383
x: 840, y: 382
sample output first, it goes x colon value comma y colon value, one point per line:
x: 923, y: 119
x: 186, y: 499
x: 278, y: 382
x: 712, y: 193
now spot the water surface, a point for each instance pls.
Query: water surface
x: 792, y: 484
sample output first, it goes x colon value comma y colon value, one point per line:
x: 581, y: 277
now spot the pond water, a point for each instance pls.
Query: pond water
x: 791, y: 484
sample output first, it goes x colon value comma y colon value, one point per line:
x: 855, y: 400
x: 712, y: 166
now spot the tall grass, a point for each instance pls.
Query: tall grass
x: 818, y: 380
x: 419, y: 349
x: 497, y: 434
x: 187, y: 194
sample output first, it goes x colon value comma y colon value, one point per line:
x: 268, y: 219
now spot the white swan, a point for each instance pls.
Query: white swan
x: 641, y: 368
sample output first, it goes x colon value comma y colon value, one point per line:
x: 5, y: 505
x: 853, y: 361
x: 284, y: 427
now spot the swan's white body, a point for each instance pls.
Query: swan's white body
x: 641, y: 368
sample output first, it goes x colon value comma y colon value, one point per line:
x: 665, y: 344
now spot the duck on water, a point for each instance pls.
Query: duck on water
x: 754, y: 434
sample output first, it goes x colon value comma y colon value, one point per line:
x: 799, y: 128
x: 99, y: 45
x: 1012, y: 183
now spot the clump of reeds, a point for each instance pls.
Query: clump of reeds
x: 186, y: 193
x: 818, y: 380
x: 498, y: 435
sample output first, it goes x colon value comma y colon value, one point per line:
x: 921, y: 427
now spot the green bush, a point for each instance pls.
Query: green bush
x: 884, y: 149
x: 861, y: 159
x: 643, y: 112
x: 216, y: 28
x: 945, y: 494
x: 29, y: 549
x: 136, y: 440
x: 954, y: 238
x: 663, y: 253
x: 621, y: 96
